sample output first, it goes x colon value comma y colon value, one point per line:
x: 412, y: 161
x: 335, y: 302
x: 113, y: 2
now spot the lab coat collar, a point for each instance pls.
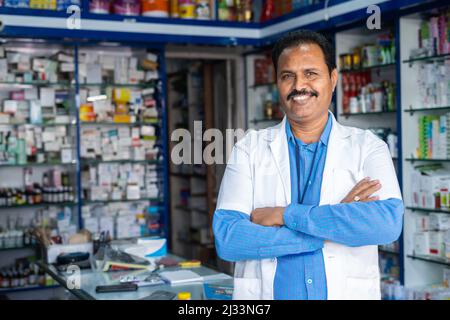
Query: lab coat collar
x: 279, y: 147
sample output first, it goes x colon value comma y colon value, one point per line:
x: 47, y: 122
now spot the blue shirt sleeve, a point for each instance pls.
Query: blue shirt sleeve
x: 237, y: 238
x: 352, y: 224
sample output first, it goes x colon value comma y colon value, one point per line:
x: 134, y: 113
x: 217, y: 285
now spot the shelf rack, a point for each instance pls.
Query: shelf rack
x: 77, y: 164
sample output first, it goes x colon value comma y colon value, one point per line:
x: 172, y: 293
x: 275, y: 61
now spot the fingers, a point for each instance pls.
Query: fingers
x: 369, y: 199
x: 360, y: 186
x: 364, y: 190
x: 370, y: 189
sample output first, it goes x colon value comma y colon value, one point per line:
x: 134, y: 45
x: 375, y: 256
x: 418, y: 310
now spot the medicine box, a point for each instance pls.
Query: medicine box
x: 439, y: 221
x: 421, y: 243
x: 436, y: 242
x: 422, y: 223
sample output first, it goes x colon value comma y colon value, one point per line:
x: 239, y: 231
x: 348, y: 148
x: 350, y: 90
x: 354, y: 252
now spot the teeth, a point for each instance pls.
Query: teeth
x: 301, y: 97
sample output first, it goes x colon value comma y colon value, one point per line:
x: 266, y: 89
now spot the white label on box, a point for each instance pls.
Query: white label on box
x: 66, y: 155
x: 437, y: 243
x: 47, y: 97
x: 421, y: 242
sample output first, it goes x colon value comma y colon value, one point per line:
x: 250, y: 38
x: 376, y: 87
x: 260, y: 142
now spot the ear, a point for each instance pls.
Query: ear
x: 334, y: 78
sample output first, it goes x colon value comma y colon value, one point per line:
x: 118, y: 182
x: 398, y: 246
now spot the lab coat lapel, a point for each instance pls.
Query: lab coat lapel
x: 280, y: 153
x: 334, y: 152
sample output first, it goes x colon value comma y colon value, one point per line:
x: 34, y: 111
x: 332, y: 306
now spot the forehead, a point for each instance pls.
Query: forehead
x: 302, y: 56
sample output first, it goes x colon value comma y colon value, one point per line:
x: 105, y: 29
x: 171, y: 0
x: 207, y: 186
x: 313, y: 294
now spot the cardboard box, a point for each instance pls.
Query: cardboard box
x: 47, y: 96
x: 436, y: 242
x: 439, y: 221
x: 421, y: 243
x: 422, y: 223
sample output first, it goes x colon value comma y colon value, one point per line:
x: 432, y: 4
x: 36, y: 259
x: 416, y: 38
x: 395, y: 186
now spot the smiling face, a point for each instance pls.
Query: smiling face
x: 304, y: 82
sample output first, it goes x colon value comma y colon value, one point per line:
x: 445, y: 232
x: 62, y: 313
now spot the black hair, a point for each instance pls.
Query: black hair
x: 299, y: 37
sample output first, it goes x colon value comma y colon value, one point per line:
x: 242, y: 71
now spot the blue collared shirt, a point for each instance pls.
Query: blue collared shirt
x: 302, y: 276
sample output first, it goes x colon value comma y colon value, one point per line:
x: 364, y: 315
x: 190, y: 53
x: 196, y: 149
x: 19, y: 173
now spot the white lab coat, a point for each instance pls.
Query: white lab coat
x: 258, y: 175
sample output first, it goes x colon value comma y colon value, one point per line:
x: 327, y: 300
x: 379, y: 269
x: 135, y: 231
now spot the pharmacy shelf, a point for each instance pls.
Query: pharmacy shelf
x: 376, y: 67
x: 45, y: 164
x: 439, y: 57
x: 41, y: 204
x: 426, y: 160
x: 129, y: 124
x: 35, y: 84
x: 437, y: 260
x: 151, y: 84
x: 87, y: 202
x: 28, y: 288
x: 411, y: 111
x: 38, y: 124
x: 123, y: 161
x: 428, y: 209
x: 416, y: 274
x: 367, y: 113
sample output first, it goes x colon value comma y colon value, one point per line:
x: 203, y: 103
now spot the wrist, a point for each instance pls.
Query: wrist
x: 280, y: 215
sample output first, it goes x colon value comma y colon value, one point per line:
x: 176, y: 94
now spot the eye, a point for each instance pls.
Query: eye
x: 286, y: 76
x: 310, y: 74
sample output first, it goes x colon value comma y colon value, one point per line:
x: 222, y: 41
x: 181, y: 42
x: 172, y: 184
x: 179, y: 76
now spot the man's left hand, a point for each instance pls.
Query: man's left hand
x: 268, y: 217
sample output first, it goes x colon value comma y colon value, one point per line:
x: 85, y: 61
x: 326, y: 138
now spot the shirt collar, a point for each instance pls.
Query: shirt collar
x: 323, y: 137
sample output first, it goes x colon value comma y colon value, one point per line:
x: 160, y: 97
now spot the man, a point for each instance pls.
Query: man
x: 294, y: 211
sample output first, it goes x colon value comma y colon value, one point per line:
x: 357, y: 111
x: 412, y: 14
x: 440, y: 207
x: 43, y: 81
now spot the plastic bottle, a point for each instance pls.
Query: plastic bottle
x: 268, y: 11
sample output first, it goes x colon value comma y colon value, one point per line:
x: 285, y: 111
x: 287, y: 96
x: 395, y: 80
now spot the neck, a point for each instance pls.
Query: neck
x: 309, y: 131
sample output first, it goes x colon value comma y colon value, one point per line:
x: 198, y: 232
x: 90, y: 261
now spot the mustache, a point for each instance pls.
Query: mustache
x: 294, y: 93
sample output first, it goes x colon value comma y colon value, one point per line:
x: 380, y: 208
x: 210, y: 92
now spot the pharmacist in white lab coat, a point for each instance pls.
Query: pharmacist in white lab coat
x: 303, y: 205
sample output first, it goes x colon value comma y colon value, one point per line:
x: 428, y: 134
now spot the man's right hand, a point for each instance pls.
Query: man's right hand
x: 363, y: 191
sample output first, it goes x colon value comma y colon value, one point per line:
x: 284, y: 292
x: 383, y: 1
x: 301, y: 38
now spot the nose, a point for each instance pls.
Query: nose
x: 300, y: 83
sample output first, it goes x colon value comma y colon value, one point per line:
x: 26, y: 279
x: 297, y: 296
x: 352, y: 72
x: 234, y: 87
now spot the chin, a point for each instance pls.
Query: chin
x: 301, y: 111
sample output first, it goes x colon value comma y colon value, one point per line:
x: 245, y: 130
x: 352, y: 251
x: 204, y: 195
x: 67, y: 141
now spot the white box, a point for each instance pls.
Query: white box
x: 133, y: 192
x: 437, y: 247
x: 439, y: 221
x: 31, y: 93
x: 52, y: 146
x: 447, y: 236
x: 47, y: 96
x: 66, y: 156
x: 91, y: 224
x: 446, y: 277
x: 107, y: 224
x: 421, y: 243
x: 48, y: 136
x: 10, y: 106
x: 422, y: 223
x: 94, y: 73
x: 66, y: 67
x: 447, y: 250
